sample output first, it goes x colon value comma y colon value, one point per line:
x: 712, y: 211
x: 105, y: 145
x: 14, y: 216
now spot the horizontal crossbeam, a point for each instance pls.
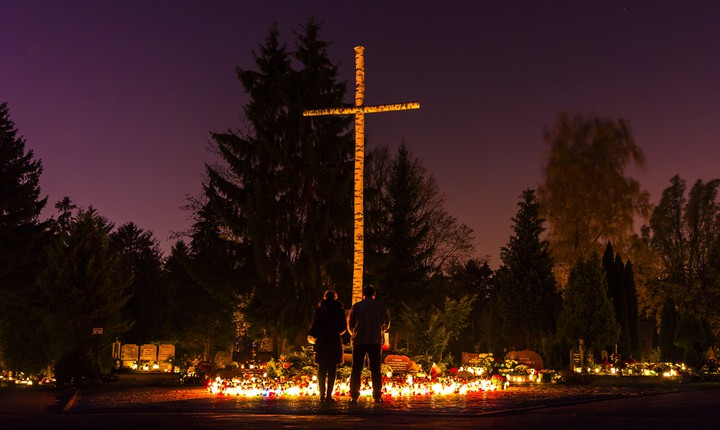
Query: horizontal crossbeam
x: 363, y: 109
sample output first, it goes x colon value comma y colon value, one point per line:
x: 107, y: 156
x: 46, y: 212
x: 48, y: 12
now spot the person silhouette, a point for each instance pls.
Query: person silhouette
x: 328, y: 327
x: 368, y: 321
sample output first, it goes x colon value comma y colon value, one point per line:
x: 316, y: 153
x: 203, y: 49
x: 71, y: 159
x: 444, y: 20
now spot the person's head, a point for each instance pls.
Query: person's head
x: 369, y: 291
x: 330, y: 295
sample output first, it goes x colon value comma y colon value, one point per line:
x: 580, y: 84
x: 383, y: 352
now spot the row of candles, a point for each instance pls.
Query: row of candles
x: 262, y: 386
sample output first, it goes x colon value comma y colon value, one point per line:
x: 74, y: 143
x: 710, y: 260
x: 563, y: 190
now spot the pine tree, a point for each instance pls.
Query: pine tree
x: 587, y: 311
x: 632, y: 309
x: 222, y: 273
x: 285, y: 189
x: 528, y: 296
x: 407, y: 269
x: 619, y: 299
x: 141, y: 261
x: 84, y: 288
x: 181, y: 291
x: 608, y: 262
x: 668, y: 326
x: 614, y: 271
x: 21, y: 241
x: 411, y: 241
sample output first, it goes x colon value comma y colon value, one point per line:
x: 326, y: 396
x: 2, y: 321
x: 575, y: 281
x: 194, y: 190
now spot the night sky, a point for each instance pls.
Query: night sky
x: 118, y: 98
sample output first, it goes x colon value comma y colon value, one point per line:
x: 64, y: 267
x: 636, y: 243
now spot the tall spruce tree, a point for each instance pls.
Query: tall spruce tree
x: 407, y: 269
x: 285, y: 188
x: 21, y: 241
x: 528, y: 297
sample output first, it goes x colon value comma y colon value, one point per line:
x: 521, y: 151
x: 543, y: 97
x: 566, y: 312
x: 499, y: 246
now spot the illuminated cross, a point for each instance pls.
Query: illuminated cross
x: 359, y: 110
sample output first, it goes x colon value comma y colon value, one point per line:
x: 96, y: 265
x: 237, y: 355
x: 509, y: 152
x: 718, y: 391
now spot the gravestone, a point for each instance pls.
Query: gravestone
x: 130, y: 353
x: 474, y: 359
x: 166, y: 354
x: 529, y: 358
x: 148, y: 352
x: 398, y: 363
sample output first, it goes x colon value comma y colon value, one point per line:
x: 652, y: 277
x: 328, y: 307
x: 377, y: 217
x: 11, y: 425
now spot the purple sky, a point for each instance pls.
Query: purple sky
x: 117, y: 98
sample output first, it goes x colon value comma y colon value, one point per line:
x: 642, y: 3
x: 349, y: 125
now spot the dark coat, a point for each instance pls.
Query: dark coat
x: 329, y: 325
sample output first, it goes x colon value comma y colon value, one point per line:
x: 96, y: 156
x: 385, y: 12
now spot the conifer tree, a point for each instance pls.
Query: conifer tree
x: 21, y: 241
x: 407, y: 268
x: 411, y: 240
x: 218, y: 269
x: 632, y: 309
x: 619, y: 298
x: 587, y: 311
x: 181, y: 289
x: 614, y: 271
x: 528, y: 296
x: 141, y: 261
x: 285, y: 188
x: 84, y: 288
x: 668, y: 326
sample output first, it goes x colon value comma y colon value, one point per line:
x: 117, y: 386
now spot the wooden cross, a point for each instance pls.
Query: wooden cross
x: 359, y: 110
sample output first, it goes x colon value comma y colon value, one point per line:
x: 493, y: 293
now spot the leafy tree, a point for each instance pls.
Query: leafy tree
x: 686, y: 235
x: 84, y: 287
x: 587, y: 311
x: 474, y: 277
x: 668, y: 326
x: 528, y: 297
x: 21, y: 240
x: 285, y: 188
x: 694, y: 337
x: 586, y: 197
x: 435, y: 329
x: 141, y: 261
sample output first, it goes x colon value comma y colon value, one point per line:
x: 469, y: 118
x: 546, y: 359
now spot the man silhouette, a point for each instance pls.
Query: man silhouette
x: 368, y: 320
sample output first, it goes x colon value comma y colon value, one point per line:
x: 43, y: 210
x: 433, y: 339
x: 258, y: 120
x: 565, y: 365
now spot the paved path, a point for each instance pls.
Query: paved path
x: 557, y: 407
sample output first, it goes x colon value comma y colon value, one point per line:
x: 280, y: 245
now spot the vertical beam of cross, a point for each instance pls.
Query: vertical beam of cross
x: 359, y: 110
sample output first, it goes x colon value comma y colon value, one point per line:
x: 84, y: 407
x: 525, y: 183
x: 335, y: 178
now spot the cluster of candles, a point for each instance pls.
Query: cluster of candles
x: 409, y: 385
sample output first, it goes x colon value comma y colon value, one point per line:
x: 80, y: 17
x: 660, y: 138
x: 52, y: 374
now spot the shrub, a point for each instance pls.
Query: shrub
x: 74, y: 367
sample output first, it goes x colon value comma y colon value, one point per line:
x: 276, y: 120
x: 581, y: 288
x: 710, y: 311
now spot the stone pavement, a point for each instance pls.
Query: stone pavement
x: 197, y: 399
x: 547, y: 406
